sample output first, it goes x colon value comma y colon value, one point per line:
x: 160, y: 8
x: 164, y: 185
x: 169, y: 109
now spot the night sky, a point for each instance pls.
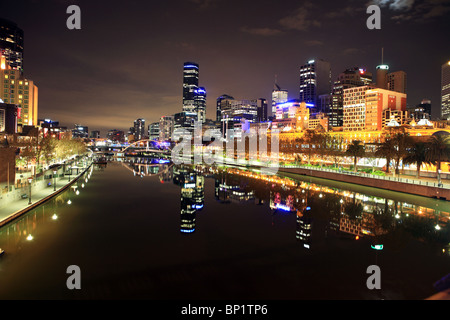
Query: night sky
x: 127, y: 60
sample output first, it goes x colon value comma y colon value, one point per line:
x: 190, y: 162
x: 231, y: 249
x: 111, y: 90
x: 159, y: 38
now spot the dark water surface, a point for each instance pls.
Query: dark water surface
x: 187, y: 235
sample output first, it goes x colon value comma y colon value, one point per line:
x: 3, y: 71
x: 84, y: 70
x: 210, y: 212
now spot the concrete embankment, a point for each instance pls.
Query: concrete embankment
x: 430, y: 191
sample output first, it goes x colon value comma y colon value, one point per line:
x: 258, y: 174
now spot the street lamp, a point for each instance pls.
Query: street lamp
x: 30, y: 179
x: 70, y: 171
x: 54, y: 179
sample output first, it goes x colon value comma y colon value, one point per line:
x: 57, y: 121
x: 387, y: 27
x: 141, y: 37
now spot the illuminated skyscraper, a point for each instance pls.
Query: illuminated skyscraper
x: 396, y: 81
x: 11, y: 45
x: 18, y: 90
x: 315, y: 80
x: 445, y: 91
x: 278, y: 96
x: 139, y: 129
x: 220, y: 105
x: 200, y: 104
x: 190, y: 85
x: 350, y: 78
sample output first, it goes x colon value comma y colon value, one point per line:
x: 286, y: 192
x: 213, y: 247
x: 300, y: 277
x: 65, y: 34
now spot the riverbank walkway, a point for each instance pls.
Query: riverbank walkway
x: 423, y: 186
x: 41, y: 191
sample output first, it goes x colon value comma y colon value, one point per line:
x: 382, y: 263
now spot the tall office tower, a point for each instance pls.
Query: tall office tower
x: 278, y: 96
x: 382, y: 71
x: 315, y: 80
x: 445, y: 91
x: 350, y: 78
x: 262, y: 113
x: 190, y: 85
x: 200, y: 104
x: 11, y: 45
x: 219, y: 105
x: 238, y: 111
x: 166, y: 128
x: 326, y: 103
x: 153, y: 131
x: 396, y: 81
x: 20, y: 91
x: 139, y: 129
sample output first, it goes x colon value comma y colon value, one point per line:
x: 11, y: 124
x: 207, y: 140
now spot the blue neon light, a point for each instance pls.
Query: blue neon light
x: 308, y: 208
x: 190, y: 66
x: 283, y: 207
x: 187, y: 231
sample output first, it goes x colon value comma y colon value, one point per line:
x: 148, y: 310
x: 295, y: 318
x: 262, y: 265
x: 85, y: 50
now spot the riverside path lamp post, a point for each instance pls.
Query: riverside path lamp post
x: 30, y: 179
x: 54, y: 179
x: 70, y: 171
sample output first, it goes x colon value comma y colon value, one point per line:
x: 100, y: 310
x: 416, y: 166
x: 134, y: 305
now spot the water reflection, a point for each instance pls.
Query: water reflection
x: 28, y: 227
x: 192, y: 196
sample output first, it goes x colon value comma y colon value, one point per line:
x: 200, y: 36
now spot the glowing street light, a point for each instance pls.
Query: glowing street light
x: 54, y: 179
x: 30, y: 179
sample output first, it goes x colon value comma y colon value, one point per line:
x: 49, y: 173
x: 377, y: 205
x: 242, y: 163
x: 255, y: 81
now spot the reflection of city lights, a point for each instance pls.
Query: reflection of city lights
x: 341, y: 201
x: 55, y: 217
x: 69, y: 202
x: 397, y: 216
x: 437, y: 227
x: 77, y: 192
x: 30, y: 237
x: 320, y: 195
x: 82, y: 185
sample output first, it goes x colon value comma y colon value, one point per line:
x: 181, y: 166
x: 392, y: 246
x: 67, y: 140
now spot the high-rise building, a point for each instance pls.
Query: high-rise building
x: 20, y: 91
x: 445, y: 91
x: 262, y: 110
x: 278, y: 96
x: 190, y: 85
x: 350, y: 78
x: 219, y: 105
x: 382, y: 71
x: 364, y: 106
x: 166, y: 127
x: 200, y: 104
x: 153, y: 131
x: 236, y: 111
x: 315, y: 80
x: 11, y: 45
x: 396, y: 81
x: 139, y: 129
x: 184, y: 120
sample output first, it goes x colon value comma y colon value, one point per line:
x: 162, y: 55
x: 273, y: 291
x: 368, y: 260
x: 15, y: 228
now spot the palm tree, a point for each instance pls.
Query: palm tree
x: 438, y: 150
x: 402, y: 141
x: 386, y: 150
x: 356, y: 150
x: 418, y: 155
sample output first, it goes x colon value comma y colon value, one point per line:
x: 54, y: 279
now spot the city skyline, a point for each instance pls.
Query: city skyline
x: 88, y: 79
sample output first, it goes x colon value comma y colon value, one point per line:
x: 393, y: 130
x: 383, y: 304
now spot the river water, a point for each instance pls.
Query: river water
x: 162, y: 232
